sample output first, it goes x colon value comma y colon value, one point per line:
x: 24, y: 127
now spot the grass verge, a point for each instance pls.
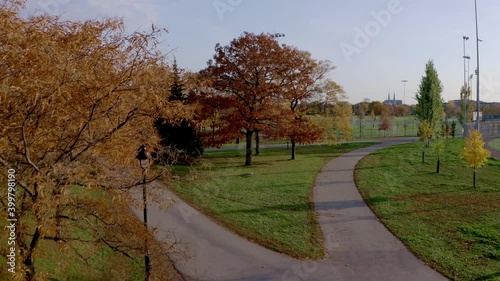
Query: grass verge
x: 270, y: 202
x: 440, y: 217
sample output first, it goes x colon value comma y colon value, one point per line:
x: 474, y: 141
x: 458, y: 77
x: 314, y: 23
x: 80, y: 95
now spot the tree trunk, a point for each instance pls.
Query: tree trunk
x: 423, y: 156
x: 474, y: 177
x: 257, y: 143
x: 248, y: 156
x: 28, y: 260
x: 293, y: 150
x: 438, y: 164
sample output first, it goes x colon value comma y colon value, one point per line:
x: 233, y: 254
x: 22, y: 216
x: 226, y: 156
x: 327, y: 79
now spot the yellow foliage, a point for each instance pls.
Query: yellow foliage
x: 474, y: 152
x: 425, y: 131
x: 77, y: 99
x: 341, y: 130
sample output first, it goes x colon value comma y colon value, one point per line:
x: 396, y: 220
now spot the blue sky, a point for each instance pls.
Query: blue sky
x: 373, y: 43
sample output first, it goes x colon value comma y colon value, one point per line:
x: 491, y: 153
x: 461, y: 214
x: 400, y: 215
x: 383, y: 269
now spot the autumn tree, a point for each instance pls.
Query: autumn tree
x: 361, y: 109
x: 379, y: 109
x: 401, y: 110
x: 385, y: 123
x: 298, y: 94
x: 77, y: 98
x: 340, y: 130
x: 251, y: 73
x: 451, y: 110
x: 430, y: 104
x: 425, y: 134
x: 474, y: 152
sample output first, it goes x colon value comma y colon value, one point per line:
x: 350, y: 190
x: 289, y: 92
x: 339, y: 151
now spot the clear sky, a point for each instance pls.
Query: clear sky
x: 373, y: 43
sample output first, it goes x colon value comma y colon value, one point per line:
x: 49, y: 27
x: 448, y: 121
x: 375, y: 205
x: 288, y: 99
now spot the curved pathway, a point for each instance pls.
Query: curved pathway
x: 359, y: 247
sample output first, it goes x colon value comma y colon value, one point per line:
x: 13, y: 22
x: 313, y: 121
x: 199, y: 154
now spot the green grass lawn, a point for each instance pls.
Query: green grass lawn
x: 270, y: 202
x: 440, y: 217
x: 495, y: 144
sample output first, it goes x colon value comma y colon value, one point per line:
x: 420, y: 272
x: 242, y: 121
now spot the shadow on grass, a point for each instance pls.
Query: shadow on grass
x: 306, y: 207
x: 302, y: 207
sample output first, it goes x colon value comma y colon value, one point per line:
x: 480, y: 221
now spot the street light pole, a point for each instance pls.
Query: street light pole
x: 144, y: 161
x: 404, y: 103
x: 145, y: 215
x: 465, y: 94
x: 404, y: 91
x: 477, y: 70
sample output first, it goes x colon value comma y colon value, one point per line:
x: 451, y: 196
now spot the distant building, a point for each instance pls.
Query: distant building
x: 393, y: 101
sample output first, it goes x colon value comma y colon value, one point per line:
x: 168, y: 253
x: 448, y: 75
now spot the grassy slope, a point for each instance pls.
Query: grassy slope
x: 269, y: 202
x: 440, y: 217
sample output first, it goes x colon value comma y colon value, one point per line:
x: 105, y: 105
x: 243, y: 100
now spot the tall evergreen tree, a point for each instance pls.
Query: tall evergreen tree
x: 177, y: 88
x: 430, y: 104
x: 178, y: 137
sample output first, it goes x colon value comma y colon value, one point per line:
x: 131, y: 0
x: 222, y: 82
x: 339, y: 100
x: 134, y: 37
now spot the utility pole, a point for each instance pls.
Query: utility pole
x: 466, y: 93
x: 477, y: 70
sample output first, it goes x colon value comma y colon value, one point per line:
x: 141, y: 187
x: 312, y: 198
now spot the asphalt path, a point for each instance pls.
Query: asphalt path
x: 359, y: 246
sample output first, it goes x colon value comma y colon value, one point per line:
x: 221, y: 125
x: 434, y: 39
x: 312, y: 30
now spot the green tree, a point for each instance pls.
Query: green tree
x: 430, y: 103
x: 425, y: 134
x: 179, y: 138
x: 453, y: 128
x: 177, y: 87
x: 474, y: 152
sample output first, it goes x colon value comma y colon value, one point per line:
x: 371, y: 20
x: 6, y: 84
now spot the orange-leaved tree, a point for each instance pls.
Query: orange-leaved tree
x: 300, y: 92
x: 77, y: 99
x: 249, y: 76
x: 474, y: 152
x: 385, y: 123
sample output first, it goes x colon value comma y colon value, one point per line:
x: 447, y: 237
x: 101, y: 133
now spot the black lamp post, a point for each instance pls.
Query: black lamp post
x: 144, y: 161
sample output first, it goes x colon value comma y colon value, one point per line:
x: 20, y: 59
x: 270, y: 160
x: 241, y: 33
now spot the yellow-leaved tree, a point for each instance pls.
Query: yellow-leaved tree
x: 340, y: 129
x: 474, y: 152
x: 425, y: 134
x: 77, y: 100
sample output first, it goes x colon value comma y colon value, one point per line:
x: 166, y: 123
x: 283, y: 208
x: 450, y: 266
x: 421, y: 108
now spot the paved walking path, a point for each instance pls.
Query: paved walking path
x: 359, y: 246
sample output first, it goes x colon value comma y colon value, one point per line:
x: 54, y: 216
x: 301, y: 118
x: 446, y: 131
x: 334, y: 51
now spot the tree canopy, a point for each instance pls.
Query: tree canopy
x: 77, y: 98
x: 254, y: 83
x: 430, y: 103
